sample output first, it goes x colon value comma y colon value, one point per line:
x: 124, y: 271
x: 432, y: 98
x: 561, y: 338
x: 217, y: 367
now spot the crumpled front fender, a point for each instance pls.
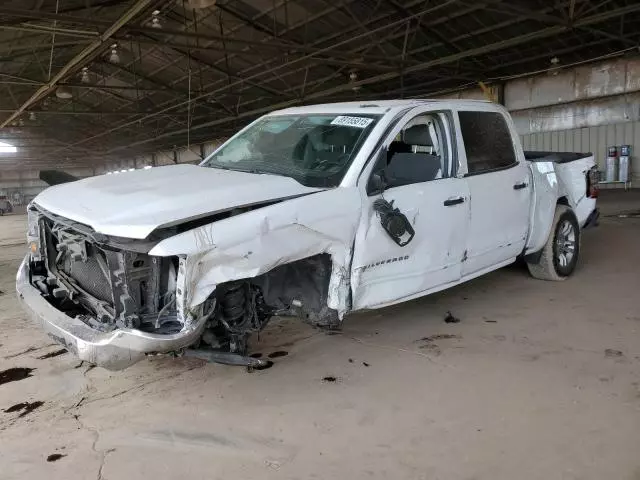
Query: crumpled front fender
x: 253, y: 243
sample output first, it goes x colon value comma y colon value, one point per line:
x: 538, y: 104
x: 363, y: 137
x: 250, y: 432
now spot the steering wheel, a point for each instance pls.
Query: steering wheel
x: 326, y: 163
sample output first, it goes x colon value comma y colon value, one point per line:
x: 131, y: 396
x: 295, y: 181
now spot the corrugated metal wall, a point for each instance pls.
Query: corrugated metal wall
x: 589, y: 139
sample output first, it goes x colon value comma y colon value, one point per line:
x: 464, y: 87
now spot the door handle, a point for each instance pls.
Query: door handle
x: 520, y: 186
x: 453, y: 201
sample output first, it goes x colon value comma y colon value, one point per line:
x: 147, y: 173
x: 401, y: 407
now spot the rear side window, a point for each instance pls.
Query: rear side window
x: 487, y: 141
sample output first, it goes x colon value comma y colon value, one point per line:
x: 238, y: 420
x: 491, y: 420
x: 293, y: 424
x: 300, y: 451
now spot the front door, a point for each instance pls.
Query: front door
x: 419, y: 181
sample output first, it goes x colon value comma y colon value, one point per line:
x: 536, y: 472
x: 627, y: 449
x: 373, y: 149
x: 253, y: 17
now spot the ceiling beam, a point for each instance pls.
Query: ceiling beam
x: 79, y: 59
x: 551, y: 20
x: 511, y: 42
x: 262, y: 71
x: 264, y: 68
x: 320, y: 60
x: 213, y: 67
x: 612, y: 36
x: 432, y: 33
x: 142, y: 32
x: 94, y: 113
x: 334, y: 46
x: 591, y: 6
x: 318, y: 41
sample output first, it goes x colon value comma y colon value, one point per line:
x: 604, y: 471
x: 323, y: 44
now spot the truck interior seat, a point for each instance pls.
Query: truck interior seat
x: 407, y: 167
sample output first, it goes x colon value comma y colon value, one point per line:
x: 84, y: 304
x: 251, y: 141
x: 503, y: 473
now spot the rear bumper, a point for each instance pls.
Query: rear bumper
x: 113, y: 350
x: 592, y: 219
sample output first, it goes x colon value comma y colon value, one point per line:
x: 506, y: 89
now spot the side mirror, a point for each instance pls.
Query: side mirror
x: 377, y: 181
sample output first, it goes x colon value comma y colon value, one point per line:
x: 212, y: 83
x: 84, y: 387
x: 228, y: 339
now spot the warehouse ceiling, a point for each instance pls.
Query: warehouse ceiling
x: 85, y: 82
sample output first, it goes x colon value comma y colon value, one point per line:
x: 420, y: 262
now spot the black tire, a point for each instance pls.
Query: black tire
x: 561, y: 252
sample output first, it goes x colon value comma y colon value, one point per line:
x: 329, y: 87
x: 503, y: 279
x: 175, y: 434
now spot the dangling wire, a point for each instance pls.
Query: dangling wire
x: 186, y: 27
x: 53, y: 42
x: 189, y: 114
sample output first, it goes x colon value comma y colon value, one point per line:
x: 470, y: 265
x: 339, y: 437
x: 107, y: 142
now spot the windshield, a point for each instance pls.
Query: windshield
x: 315, y: 150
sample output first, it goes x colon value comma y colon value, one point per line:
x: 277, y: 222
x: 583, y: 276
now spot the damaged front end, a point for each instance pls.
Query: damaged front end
x: 104, y: 298
x: 111, y: 303
x: 104, y: 281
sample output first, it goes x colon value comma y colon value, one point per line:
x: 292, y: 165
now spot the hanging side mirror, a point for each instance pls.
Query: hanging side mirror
x: 377, y: 181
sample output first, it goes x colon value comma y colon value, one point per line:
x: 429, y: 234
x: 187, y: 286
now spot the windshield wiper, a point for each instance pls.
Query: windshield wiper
x: 255, y: 171
x: 233, y: 169
x: 264, y: 172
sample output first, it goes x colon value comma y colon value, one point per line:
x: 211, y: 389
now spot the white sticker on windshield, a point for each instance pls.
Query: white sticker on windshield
x: 357, y: 122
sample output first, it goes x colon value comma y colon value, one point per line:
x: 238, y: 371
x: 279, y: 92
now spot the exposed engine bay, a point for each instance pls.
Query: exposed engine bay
x: 112, y: 283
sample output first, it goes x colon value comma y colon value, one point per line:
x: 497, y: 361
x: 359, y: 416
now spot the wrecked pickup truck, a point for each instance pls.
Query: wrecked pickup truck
x: 314, y: 212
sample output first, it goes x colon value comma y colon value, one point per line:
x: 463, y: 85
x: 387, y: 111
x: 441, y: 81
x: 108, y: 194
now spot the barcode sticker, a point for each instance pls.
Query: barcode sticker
x: 357, y: 122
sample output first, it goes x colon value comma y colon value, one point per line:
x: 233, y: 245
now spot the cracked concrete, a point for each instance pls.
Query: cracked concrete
x: 96, y: 438
x: 538, y: 381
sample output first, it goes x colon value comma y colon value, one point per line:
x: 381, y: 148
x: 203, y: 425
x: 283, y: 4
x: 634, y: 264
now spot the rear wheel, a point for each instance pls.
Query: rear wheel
x: 560, y: 254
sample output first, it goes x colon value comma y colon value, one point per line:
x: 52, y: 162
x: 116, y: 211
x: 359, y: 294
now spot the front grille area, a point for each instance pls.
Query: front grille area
x: 89, y: 275
x: 117, y: 287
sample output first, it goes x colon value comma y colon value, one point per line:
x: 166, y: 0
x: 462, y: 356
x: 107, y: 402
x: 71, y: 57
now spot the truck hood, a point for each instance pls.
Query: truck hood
x: 133, y: 204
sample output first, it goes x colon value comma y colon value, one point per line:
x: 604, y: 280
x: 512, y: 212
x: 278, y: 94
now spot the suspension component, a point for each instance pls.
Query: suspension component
x: 235, y: 315
x: 227, y: 358
x: 234, y: 305
x: 239, y: 311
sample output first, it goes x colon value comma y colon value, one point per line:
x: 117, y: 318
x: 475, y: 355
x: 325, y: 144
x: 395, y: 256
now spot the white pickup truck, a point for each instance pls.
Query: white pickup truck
x: 314, y: 211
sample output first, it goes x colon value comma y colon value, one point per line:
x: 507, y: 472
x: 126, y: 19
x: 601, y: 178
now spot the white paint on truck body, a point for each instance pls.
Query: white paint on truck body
x: 337, y: 221
x: 465, y: 225
x: 133, y: 204
x: 553, y: 181
x: 544, y: 200
x: 572, y: 185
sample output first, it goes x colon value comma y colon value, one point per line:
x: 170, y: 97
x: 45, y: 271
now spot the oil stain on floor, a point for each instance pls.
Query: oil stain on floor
x: 25, y: 407
x: 15, y: 374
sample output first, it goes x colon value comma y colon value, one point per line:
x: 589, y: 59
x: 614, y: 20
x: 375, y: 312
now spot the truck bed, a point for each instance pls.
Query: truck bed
x: 571, y: 170
x: 555, y: 157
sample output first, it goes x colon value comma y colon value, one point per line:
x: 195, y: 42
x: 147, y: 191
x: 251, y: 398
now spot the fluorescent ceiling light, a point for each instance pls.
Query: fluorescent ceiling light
x: 7, y: 148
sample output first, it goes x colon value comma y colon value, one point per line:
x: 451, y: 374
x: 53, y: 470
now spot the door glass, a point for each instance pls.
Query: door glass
x: 419, y: 153
x: 487, y: 141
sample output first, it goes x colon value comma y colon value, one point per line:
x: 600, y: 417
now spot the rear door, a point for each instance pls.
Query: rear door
x: 420, y: 158
x: 499, y: 189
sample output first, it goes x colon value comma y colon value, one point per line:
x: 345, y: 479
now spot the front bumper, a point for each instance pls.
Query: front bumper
x: 113, y: 350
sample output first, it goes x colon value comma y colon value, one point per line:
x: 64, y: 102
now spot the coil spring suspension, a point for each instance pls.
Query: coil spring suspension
x: 241, y: 311
x: 235, y: 315
x: 234, y: 304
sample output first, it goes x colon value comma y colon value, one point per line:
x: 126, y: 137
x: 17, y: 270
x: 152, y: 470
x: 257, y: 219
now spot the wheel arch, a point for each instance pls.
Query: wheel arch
x: 534, y: 249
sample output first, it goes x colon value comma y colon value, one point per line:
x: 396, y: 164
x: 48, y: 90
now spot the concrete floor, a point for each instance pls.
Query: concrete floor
x: 538, y: 381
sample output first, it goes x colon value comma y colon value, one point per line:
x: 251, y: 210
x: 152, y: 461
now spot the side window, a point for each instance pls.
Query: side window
x: 420, y: 152
x: 487, y: 141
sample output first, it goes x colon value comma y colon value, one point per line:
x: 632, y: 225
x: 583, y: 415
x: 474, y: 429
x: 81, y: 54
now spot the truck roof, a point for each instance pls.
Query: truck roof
x: 377, y: 106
